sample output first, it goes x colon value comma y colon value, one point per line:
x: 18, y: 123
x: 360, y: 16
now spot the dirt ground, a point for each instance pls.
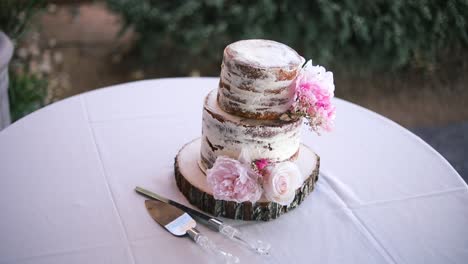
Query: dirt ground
x: 86, y: 36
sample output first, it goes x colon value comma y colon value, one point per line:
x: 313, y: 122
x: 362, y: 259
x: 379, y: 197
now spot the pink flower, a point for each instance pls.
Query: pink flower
x: 261, y: 164
x: 281, y: 181
x: 314, y: 89
x: 232, y: 180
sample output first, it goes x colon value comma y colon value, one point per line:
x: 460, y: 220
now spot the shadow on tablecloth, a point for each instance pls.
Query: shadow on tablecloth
x: 451, y: 141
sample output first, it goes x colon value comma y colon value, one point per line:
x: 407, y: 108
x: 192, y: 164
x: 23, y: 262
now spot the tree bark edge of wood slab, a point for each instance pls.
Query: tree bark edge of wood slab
x: 264, y: 211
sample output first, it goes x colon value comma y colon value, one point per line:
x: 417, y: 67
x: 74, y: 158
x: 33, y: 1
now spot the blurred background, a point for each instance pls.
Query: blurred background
x: 407, y: 60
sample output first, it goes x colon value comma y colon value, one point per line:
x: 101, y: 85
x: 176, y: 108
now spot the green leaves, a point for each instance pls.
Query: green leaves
x: 373, y: 35
x: 14, y: 15
x: 26, y: 94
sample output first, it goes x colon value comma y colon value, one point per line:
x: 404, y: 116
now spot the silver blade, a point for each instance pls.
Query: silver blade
x: 174, y: 220
x: 152, y: 195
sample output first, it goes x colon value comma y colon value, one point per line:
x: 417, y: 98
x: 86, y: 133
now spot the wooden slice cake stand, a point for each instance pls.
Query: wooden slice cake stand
x: 191, y: 181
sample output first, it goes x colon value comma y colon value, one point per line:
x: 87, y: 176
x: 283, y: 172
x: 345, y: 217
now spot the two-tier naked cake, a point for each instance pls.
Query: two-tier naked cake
x: 249, y: 162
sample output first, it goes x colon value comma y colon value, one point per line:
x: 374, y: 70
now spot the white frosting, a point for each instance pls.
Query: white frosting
x: 258, y: 93
x: 254, y: 100
x: 234, y: 133
x: 264, y: 53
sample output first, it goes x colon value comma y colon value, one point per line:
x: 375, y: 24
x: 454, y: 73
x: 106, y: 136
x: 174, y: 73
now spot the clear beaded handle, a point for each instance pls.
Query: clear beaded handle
x: 208, y: 245
x: 258, y: 246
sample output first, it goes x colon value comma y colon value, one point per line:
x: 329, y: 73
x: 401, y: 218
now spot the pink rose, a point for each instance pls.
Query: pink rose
x: 231, y: 180
x: 281, y: 181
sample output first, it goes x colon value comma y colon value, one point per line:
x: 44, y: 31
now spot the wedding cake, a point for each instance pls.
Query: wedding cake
x: 249, y: 163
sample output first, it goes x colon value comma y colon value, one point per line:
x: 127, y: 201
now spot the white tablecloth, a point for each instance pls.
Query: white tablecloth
x: 67, y: 174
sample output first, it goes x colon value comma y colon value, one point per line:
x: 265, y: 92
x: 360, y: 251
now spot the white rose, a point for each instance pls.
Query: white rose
x: 281, y: 181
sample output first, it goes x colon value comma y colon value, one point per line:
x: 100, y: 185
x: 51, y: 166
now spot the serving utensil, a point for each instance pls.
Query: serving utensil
x: 232, y: 233
x: 179, y: 223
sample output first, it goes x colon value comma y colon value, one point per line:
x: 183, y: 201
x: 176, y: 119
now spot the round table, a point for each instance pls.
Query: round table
x: 68, y: 173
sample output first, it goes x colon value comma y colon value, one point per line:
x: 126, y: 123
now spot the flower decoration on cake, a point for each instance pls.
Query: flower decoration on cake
x: 280, y: 182
x: 240, y: 180
x: 232, y: 180
x: 261, y: 164
x: 313, y: 90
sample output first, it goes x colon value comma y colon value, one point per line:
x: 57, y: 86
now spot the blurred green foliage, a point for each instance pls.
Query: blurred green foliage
x: 383, y: 34
x: 26, y: 93
x: 15, y: 15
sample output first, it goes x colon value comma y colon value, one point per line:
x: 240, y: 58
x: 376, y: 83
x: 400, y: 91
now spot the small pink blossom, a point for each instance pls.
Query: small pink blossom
x: 314, y: 89
x: 232, y: 180
x: 261, y: 164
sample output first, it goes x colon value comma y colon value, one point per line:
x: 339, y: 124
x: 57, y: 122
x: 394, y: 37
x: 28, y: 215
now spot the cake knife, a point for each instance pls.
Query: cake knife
x: 232, y: 233
x: 179, y: 223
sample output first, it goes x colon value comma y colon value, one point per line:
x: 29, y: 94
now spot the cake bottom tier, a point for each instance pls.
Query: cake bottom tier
x: 191, y: 181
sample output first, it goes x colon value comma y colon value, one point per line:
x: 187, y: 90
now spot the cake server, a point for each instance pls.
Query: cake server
x: 258, y: 246
x: 179, y: 223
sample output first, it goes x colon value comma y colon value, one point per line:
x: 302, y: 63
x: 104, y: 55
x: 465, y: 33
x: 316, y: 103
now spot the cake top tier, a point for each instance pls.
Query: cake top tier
x: 263, y: 53
x: 256, y: 75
